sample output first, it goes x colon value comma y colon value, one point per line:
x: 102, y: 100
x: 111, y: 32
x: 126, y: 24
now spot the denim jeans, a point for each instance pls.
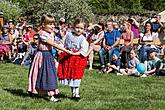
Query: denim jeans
x: 144, y: 53
x: 28, y: 63
x: 104, y: 54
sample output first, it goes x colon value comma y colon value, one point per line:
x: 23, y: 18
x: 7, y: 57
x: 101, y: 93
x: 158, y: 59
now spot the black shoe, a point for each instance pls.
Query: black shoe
x: 103, y: 70
x: 32, y: 94
x: 76, y: 98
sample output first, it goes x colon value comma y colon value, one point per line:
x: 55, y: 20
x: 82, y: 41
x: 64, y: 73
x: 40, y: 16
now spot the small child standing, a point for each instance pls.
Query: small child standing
x: 42, y: 76
x: 131, y: 65
x: 115, y: 63
x: 71, y: 67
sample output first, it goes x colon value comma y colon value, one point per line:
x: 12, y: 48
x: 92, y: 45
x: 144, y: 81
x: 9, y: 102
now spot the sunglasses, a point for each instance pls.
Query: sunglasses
x: 35, y: 38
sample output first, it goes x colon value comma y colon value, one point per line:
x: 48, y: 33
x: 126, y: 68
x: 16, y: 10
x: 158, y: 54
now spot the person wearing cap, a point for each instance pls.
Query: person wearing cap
x: 152, y: 64
x: 29, y: 33
x: 14, y: 34
x: 62, y: 24
x: 156, y: 23
x: 12, y: 30
x: 115, y: 63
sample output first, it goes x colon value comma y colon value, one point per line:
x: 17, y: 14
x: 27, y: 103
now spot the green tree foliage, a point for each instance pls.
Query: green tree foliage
x: 126, y: 6
x: 85, y: 8
x: 157, y: 5
x: 10, y: 10
x: 69, y: 9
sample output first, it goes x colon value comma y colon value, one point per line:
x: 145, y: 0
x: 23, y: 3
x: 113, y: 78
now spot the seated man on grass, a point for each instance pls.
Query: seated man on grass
x: 153, y: 64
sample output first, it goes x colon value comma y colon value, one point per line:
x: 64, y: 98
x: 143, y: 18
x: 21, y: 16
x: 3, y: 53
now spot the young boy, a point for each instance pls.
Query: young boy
x: 153, y: 63
x: 115, y: 63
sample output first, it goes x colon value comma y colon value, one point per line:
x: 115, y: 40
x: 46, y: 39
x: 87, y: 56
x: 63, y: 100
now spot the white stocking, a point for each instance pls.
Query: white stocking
x: 77, y: 92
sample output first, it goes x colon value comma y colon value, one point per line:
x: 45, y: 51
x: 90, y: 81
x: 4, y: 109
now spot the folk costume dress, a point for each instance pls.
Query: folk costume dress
x: 4, y: 48
x: 43, y: 75
x: 71, y: 68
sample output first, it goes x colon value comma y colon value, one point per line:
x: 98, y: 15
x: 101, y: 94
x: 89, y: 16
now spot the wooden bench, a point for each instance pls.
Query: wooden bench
x: 158, y: 44
x: 157, y: 41
x: 136, y: 41
x: 121, y: 42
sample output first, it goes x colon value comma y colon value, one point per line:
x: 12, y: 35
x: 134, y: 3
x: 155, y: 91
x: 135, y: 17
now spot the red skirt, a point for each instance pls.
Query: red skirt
x: 71, y: 67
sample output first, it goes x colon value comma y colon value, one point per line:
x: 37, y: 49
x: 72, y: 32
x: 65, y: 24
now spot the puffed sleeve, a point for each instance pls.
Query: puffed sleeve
x: 44, y: 36
x: 84, y: 47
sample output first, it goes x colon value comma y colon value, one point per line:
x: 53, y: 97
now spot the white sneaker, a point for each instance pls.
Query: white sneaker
x: 78, y: 96
x: 53, y: 99
x: 143, y: 76
x: 119, y: 74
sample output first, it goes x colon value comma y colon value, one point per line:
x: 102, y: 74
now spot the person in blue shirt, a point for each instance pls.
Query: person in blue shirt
x: 156, y: 23
x: 110, y: 42
x: 31, y: 51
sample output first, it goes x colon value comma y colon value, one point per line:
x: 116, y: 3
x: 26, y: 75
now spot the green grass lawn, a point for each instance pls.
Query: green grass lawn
x: 98, y: 92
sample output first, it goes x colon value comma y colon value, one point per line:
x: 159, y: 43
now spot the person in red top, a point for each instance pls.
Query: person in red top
x: 29, y: 33
x: 127, y: 36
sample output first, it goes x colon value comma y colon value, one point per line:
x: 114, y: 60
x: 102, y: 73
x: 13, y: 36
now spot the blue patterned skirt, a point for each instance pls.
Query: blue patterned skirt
x: 47, y: 77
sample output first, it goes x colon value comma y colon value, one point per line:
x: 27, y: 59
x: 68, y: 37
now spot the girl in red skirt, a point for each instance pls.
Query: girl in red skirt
x: 71, y: 67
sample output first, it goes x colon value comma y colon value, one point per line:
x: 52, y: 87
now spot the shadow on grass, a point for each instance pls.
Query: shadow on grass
x: 17, y: 92
x: 95, y: 66
x: 21, y: 93
x: 61, y: 95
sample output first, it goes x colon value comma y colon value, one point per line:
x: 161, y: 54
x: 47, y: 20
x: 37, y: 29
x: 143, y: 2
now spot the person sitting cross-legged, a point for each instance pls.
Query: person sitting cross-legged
x: 153, y: 64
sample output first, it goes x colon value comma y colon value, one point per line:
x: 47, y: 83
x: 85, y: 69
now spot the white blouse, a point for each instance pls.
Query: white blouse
x: 73, y: 42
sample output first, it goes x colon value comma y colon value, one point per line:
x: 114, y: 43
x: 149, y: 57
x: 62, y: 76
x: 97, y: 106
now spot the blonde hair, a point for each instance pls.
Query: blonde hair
x: 127, y: 23
x: 47, y: 19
